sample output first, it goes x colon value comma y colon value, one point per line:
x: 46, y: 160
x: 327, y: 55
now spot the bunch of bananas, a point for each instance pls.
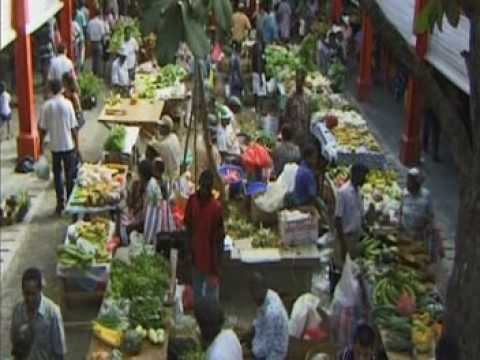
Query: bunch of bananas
x: 422, y: 332
x: 109, y: 336
x: 389, y: 289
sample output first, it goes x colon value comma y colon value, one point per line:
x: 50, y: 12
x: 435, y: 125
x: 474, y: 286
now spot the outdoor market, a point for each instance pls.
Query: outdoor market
x: 243, y: 207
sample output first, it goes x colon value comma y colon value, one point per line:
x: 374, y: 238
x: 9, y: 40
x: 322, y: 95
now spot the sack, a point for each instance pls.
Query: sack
x: 256, y: 157
x: 346, y: 308
x: 42, y: 169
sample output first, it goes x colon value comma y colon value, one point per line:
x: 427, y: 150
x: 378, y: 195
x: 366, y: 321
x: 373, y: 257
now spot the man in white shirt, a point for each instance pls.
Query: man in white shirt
x: 57, y: 119
x: 131, y: 47
x: 96, y: 31
x: 60, y: 65
x: 120, y: 79
x: 220, y: 344
x: 349, y: 214
x: 227, y: 140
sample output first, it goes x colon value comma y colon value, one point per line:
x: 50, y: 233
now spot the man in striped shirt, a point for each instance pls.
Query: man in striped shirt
x: 363, y: 345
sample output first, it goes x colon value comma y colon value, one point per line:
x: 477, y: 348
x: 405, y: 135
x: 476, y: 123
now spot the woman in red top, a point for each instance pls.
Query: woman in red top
x: 204, y: 222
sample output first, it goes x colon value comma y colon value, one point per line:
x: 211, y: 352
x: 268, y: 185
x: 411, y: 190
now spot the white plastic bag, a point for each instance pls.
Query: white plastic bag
x: 305, y: 307
x: 42, y: 168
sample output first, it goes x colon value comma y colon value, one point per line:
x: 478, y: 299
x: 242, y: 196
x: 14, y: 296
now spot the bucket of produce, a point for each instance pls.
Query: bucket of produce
x: 233, y: 176
x: 255, y: 187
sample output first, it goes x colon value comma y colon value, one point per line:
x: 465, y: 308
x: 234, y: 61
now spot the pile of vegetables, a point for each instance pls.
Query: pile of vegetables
x: 14, y: 208
x: 116, y: 140
x: 89, y: 85
x: 118, y: 33
x: 281, y: 63
x: 337, y: 73
x: 168, y: 75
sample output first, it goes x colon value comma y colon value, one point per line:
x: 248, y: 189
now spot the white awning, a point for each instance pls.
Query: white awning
x: 7, y: 32
x: 40, y: 11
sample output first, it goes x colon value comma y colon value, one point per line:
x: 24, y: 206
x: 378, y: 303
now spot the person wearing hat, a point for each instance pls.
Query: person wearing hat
x: 227, y: 141
x: 167, y: 146
x: 120, y: 78
x: 416, y: 209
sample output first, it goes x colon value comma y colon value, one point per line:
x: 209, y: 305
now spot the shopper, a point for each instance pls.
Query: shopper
x: 204, y: 223
x: 60, y: 65
x: 235, y: 78
x: 363, y: 345
x: 120, y: 79
x: 5, y: 109
x: 298, y: 111
x: 269, y: 27
x: 46, y: 50
x: 306, y: 189
x: 286, y: 152
x: 270, y: 327
x: 79, y: 44
x: 284, y: 16
x: 220, y: 343
x: 131, y: 47
x: 71, y: 92
x: 240, y: 25
x: 96, y: 32
x: 37, y: 326
x: 57, y: 119
x: 349, y: 214
x: 259, y: 81
x: 168, y: 147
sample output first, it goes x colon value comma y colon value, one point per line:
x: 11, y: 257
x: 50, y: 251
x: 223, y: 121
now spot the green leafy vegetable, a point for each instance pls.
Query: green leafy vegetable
x: 116, y: 140
x: 89, y: 85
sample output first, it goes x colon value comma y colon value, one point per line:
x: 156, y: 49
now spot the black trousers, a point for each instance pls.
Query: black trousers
x: 66, y: 161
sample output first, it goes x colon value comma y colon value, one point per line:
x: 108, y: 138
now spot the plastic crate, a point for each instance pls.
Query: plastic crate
x: 301, y: 231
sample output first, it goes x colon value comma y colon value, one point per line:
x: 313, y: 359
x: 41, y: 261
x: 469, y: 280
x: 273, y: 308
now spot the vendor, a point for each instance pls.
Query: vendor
x: 120, y: 79
x: 227, y: 140
x: 131, y: 47
x: 416, y: 209
x: 363, y: 345
x: 285, y: 152
x: 168, y: 147
x: 220, y: 343
x: 270, y: 327
x: 349, y: 214
x: 298, y: 111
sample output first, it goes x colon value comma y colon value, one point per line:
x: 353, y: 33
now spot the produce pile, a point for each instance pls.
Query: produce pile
x: 281, y: 63
x: 14, y: 208
x: 118, y: 33
x: 116, y: 140
x: 352, y: 139
x: 238, y: 227
x: 169, y: 75
x: 134, y: 307
x: 86, y: 244
x: 98, y: 185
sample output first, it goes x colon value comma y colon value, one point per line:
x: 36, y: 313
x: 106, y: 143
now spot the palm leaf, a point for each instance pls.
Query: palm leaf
x: 170, y: 32
x: 195, y: 34
x: 222, y: 9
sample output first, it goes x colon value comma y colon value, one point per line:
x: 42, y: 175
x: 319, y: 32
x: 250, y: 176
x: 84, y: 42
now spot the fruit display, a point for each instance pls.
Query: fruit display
x: 394, y: 284
x: 99, y: 185
x: 113, y: 100
x: 168, y: 75
x: 116, y: 139
x: 109, y: 336
x: 353, y: 139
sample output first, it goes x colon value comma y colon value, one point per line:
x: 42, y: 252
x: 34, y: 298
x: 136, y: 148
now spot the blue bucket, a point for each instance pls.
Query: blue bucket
x: 235, y: 186
x: 255, y: 187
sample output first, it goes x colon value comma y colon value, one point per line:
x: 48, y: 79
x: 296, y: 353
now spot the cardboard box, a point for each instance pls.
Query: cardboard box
x: 298, y: 231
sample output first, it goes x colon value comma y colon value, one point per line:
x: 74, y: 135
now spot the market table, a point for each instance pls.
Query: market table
x: 144, y: 112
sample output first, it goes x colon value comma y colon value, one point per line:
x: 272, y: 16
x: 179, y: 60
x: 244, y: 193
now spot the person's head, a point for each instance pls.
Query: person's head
x: 359, y: 174
x: 61, y: 49
x: 235, y: 104
x: 287, y: 133
x: 166, y: 125
x: 414, y: 181
x: 56, y: 86
x: 299, y: 80
x: 3, y: 87
x: 310, y: 155
x: 128, y: 33
x: 210, y: 319
x: 158, y: 168
x: 80, y: 3
x: 363, y: 343
x: 447, y: 349
x: 258, y: 288
x: 225, y: 116
x: 145, y: 170
x: 32, y: 288
x: 205, y: 184
x: 69, y: 82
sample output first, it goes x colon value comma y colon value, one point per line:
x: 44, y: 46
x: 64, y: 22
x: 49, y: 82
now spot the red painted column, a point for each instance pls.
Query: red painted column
x: 66, y: 26
x: 337, y: 9
x: 410, y: 147
x: 28, y: 143
x: 364, y: 81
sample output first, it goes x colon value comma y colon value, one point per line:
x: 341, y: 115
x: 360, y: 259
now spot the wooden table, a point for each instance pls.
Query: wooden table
x: 143, y: 113
x: 149, y: 351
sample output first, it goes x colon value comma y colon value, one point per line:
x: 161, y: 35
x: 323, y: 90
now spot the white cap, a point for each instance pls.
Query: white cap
x: 415, y: 172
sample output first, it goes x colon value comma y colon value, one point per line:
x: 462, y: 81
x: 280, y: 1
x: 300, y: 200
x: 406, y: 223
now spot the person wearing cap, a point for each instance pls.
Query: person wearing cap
x: 168, y: 147
x: 240, y: 24
x: 120, y: 78
x: 349, y: 214
x: 227, y: 141
x: 416, y: 208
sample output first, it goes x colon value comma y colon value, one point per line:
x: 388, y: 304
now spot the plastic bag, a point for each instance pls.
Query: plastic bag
x: 346, y: 308
x: 42, y: 169
x: 304, y: 308
x: 256, y: 157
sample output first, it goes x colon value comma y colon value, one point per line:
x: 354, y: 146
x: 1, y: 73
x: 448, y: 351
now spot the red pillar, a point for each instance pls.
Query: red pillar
x: 27, y: 141
x: 410, y: 147
x: 337, y: 9
x: 364, y: 81
x: 65, y: 19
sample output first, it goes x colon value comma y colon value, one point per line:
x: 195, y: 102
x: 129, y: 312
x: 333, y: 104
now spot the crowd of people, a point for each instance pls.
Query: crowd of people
x: 149, y: 205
